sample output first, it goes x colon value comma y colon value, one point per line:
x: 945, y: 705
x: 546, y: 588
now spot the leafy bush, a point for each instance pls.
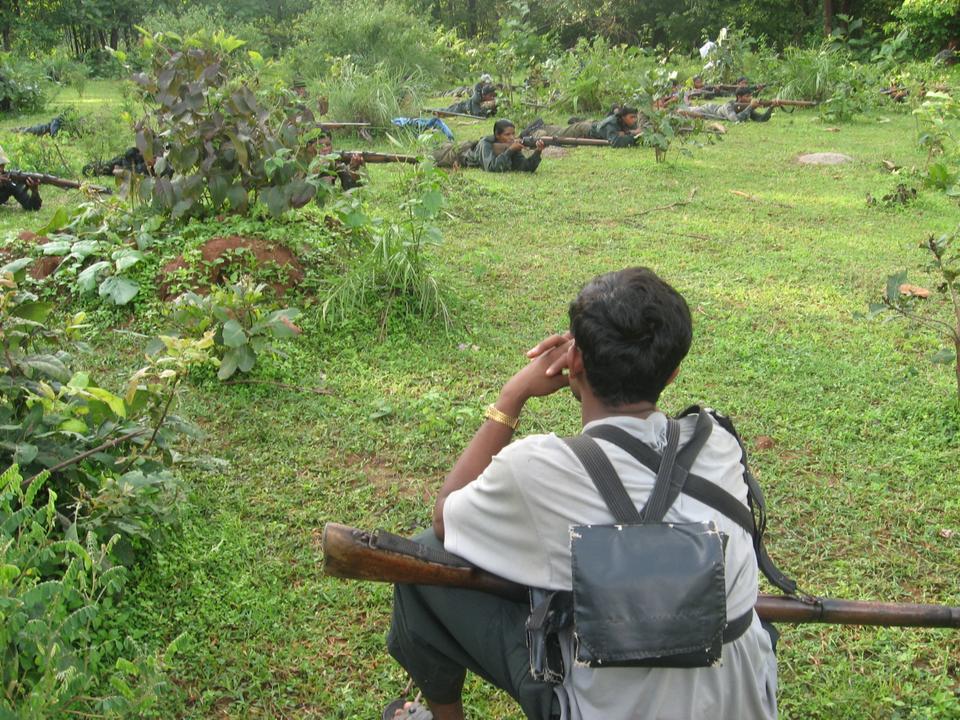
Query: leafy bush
x: 53, y: 593
x: 21, y: 88
x: 369, y: 33
x: 107, y: 456
x: 195, y: 16
x: 728, y: 60
x: 222, y: 143
x: 594, y: 75
x: 930, y: 23
x: 241, y: 324
x: 376, y: 96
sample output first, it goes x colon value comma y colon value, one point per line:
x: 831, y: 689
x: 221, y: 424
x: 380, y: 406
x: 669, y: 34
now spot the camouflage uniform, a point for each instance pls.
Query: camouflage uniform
x: 474, y: 105
x: 484, y: 155
x: 727, y: 111
x: 608, y: 129
x: 454, y: 154
x: 28, y: 198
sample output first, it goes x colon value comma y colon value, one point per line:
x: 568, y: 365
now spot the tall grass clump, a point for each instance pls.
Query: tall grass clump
x: 375, y: 97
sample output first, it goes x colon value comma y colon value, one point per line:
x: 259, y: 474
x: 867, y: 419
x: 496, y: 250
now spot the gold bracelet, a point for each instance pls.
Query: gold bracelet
x: 501, y: 417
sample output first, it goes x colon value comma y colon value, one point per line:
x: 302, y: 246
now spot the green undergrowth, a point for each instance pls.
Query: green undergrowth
x: 855, y: 433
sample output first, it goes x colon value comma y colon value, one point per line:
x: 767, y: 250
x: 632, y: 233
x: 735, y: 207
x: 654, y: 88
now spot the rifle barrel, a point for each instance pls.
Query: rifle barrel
x: 355, y: 554
x: 450, y: 113
x: 333, y: 125
x: 62, y: 183
x: 377, y: 157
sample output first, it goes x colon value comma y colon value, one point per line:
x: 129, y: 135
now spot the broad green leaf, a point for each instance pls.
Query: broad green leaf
x: 115, y: 403
x: 16, y: 267
x: 126, y: 258
x: 7, y: 573
x: 233, y: 334
x: 78, y: 619
x: 87, y: 279
x: 58, y: 247
x: 25, y: 453
x: 944, y: 356
x: 119, y: 290
x: 228, y: 365
x: 276, y: 200
x: 246, y: 358
x: 79, y: 380
x: 35, y: 311
x: 59, y: 220
x: 49, y: 365
x: 73, y: 425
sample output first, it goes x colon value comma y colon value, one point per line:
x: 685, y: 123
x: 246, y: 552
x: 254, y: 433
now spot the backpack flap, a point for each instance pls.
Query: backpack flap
x: 651, y: 594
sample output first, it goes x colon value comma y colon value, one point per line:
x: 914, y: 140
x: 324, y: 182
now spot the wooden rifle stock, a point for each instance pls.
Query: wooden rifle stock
x: 20, y: 176
x: 376, y: 157
x: 382, y: 557
x: 530, y: 143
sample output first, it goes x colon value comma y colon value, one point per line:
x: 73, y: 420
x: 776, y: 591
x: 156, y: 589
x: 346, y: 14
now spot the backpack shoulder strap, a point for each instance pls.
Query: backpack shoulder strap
x: 600, y: 470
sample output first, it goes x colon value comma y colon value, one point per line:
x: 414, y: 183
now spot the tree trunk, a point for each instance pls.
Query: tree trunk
x: 827, y: 17
x: 472, y: 18
x: 115, y: 38
x: 6, y: 38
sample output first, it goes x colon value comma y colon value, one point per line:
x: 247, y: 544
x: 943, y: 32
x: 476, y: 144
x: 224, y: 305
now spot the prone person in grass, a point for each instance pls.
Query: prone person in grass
x: 499, y: 152
x: 26, y: 193
x: 620, y: 128
x: 729, y: 110
x: 508, y: 506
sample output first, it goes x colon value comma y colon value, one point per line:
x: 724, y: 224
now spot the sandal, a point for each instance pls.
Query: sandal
x: 407, y: 710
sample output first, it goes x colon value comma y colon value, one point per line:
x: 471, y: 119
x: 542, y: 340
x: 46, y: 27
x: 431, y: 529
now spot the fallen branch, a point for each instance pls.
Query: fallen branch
x: 678, y: 203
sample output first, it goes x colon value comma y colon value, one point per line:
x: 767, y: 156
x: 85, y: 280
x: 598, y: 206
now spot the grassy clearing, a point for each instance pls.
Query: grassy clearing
x: 773, y: 257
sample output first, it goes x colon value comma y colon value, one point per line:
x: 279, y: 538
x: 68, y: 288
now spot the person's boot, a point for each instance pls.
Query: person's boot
x: 532, y: 128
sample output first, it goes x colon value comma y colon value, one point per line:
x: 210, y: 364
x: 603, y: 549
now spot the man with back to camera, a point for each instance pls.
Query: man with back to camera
x: 508, y: 508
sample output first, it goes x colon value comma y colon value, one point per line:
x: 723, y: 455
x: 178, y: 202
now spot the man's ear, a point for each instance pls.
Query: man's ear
x: 574, y: 360
x: 673, y: 375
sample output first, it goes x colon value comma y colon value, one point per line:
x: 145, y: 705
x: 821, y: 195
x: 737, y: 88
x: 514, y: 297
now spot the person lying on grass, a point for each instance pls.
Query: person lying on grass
x: 740, y: 109
x: 508, y: 507
x: 26, y: 193
x: 500, y: 152
x: 620, y: 128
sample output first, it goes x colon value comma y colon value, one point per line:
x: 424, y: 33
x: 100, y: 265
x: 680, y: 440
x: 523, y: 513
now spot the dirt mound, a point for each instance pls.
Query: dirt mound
x: 824, y: 158
x: 42, y: 267
x: 220, y: 255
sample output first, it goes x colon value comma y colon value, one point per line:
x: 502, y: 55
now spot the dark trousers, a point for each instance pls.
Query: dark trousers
x: 439, y: 633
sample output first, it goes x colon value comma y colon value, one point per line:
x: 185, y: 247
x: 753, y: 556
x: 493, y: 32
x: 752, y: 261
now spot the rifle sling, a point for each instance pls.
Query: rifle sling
x: 383, y: 540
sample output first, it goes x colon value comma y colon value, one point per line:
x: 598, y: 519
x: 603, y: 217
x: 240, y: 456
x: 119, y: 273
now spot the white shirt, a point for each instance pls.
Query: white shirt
x: 514, y: 521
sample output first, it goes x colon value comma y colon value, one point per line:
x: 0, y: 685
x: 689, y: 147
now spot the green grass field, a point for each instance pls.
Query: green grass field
x: 859, y: 459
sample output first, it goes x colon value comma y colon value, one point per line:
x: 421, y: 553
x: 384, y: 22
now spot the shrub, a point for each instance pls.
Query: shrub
x: 371, y: 33
x: 21, y: 88
x: 374, y: 96
x: 53, y: 594
x: 108, y: 455
x: 223, y: 145
x: 930, y: 23
x: 196, y: 16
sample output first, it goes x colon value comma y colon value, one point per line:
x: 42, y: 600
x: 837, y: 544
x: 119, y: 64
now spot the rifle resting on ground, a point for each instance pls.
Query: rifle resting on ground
x: 377, y: 157
x: 20, y: 176
x: 780, y: 103
x: 333, y: 125
x: 383, y: 557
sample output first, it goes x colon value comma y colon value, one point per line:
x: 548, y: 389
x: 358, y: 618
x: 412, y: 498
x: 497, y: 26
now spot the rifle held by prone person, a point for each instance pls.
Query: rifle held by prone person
x: 531, y: 142
x: 377, y: 157
x: 20, y: 176
x: 380, y: 556
x: 450, y: 113
x: 778, y: 103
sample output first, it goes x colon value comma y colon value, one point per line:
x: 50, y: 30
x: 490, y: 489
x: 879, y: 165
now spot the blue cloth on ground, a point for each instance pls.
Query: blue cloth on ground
x: 422, y: 124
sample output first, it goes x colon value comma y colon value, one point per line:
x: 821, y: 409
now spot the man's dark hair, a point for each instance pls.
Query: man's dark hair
x: 500, y: 125
x: 743, y: 80
x: 633, y: 330
x: 488, y: 90
x: 744, y: 91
